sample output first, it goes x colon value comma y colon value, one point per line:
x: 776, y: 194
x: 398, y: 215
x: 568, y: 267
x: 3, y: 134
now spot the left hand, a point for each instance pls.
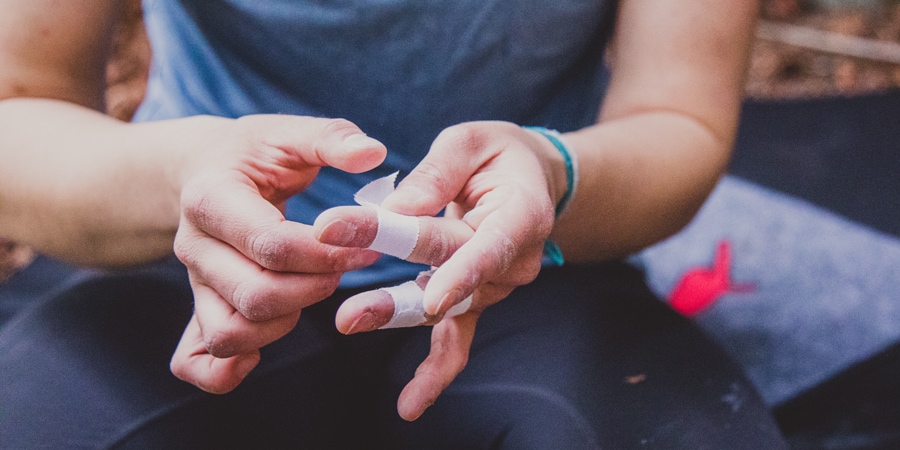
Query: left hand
x: 499, y: 184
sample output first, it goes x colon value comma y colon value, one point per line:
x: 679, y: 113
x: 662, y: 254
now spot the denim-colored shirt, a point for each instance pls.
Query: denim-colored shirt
x: 402, y: 70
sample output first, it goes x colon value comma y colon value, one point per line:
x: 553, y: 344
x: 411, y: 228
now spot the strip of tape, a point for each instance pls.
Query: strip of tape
x: 397, y: 234
x: 409, y: 308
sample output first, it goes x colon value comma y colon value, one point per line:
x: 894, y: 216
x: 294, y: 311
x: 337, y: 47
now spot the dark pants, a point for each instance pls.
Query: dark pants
x: 584, y: 357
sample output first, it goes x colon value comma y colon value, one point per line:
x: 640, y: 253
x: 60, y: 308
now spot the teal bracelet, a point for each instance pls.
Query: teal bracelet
x: 571, y: 164
x: 552, y: 254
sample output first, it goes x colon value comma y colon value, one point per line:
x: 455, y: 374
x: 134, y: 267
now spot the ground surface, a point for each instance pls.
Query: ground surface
x: 785, y: 71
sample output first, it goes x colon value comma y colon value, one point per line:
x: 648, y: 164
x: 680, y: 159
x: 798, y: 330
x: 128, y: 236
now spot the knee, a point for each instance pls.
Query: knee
x: 536, y: 418
x: 503, y: 417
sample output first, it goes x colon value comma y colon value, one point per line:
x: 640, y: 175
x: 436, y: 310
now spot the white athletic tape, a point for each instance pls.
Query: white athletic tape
x: 409, y: 309
x: 460, y: 307
x: 397, y: 234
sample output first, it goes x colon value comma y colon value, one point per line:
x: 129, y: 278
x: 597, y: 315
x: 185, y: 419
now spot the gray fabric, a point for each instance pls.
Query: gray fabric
x: 403, y: 70
x: 827, y: 289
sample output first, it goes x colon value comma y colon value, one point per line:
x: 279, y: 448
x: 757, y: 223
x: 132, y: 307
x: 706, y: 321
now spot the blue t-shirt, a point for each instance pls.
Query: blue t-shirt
x: 402, y: 70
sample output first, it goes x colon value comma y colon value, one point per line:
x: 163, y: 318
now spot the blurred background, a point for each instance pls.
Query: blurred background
x: 802, y: 48
x: 810, y: 210
x: 809, y: 206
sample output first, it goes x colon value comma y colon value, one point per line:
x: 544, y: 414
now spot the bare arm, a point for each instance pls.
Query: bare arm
x: 81, y: 186
x: 87, y: 188
x: 75, y: 183
x: 667, y: 125
x: 662, y: 141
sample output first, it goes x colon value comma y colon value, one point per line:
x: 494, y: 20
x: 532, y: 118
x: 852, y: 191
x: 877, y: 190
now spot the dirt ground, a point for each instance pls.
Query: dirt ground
x: 777, y: 70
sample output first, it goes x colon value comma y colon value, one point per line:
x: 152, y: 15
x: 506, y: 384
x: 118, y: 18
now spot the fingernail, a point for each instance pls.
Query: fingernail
x: 365, y: 322
x: 404, y: 199
x: 338, y: 232
x: 360, y: 142
x: 448, y: 301
x: 424, y: 407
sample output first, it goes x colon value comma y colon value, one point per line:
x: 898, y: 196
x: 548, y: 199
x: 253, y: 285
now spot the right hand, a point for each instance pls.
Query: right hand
x: 251, y: 270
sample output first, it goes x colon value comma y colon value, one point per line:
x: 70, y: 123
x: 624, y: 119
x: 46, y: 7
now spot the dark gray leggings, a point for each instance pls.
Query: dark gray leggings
x: 584, y: 357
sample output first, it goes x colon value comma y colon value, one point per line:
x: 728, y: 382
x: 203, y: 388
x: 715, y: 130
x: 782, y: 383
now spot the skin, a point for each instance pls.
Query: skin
x: 660, y: 145
x: 213, y: 189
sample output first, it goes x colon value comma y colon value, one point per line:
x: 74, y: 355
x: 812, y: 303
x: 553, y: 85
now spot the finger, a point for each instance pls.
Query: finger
x: 193, y: 364
x: 506, y: 247
x: 306, y: 141
x: 398, y: 306
x: 364, y: 312
x: 226, y: 332
x: 451, y: 340
x: 258, y: 293
x: 255, y: 227
x: 358, y: 226
x: 439, y: 178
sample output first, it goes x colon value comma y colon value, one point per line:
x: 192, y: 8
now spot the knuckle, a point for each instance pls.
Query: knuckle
x: 505, y: 250
x: 196, y: 204
x: 269, y: 250
x: 527, y: 272
x: 217, y: 386
x: 326, y: 285
x: 249, y: 128
x: 433, y: 174
x: 459, y: 360
x: 179, y: 367
x: 253, y: 133
x: 253, y: 302
x: 194, y: 201
x: 221, y: 343
x: 280, y: 328
x: 440, y: 248
x: 465, y: 136
x: 455, y: 359
x: 341, y: 128
x: 248, y: 122
x: 545, y: 226
x: 336, y: 259
x: 532, y: 270
x: 184, y: 248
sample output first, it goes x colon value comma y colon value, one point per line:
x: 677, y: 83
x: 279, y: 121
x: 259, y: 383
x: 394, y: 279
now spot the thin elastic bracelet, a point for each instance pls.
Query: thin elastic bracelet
x: 571, y: 164
x: 552, y: 256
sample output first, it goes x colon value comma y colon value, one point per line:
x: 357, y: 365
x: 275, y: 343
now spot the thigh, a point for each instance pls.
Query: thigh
x: 36, y: 281
x: 88, y: 367
x: 75, y: 363
x: 588, y: 358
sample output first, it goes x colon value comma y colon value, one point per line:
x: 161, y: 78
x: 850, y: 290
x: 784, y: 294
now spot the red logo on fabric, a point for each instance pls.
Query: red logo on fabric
x: 700, y: 287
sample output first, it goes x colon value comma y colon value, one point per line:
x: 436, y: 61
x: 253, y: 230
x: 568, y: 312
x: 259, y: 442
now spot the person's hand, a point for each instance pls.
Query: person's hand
x: 499, y: 183
x: 251, y: 270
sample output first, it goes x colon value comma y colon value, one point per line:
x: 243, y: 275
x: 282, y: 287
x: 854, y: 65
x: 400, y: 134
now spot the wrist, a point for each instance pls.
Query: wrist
x: 173, y: 152
x: 564, y: 168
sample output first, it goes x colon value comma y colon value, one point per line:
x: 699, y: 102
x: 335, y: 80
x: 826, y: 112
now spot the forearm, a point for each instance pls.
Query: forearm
x: 86, y: 188
x: 642, y: 178
x: 666, y: 128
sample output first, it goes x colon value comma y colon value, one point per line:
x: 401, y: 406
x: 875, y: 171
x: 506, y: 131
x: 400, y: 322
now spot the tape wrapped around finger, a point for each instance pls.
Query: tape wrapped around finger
x: 409, y: 308
x: 397, y: 234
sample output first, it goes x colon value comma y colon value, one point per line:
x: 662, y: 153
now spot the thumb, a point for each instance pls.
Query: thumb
x: 314, y: 141
x: 440, y: 177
